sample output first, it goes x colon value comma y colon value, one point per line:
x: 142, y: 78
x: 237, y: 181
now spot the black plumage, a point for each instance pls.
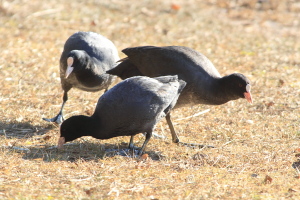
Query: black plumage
x: 204, y: 84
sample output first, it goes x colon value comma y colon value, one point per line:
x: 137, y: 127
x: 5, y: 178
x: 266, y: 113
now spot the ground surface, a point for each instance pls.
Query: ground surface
x: 257, y: 145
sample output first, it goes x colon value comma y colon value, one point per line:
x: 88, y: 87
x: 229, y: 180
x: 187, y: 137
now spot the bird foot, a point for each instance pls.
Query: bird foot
x: 133, y: 148
x: 193, y: 145
x: 58, y: 119
x: 136, y: 152
x: 123, y: 152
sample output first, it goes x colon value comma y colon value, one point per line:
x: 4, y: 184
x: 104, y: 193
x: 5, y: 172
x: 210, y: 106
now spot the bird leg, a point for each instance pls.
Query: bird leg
x: 175, y: 138
x: 131, y: 145
x: 148, y: 136
x: 59, y: 117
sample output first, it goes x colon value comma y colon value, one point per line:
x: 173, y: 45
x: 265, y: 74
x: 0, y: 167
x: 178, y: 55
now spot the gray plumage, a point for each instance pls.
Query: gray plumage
x: 133, y: 106
x: 89, y: 55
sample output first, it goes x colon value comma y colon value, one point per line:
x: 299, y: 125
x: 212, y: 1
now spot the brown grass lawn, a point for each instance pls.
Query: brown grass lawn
x: 257, y: 146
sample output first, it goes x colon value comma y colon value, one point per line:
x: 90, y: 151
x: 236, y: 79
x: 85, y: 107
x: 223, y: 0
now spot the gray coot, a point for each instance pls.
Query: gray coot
x: 85, y: 59
x: 132, y: 106
x: 204, y: 84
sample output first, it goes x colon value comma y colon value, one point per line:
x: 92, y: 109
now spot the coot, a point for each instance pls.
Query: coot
x: 85, y: 59
x: 132, y: 106
x: 204, y: 84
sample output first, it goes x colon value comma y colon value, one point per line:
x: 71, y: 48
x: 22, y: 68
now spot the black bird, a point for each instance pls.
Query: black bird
x: 133, y: 106
x: 204, y: 84
x: 83, y: 63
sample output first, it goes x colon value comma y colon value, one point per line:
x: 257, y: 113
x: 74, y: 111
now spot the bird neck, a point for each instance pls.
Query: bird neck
x: 92, y: 126
x: 212, y: 92
x: 225, y: 89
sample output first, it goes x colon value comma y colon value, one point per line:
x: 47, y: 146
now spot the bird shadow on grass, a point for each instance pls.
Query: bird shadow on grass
x: 86, y: 151
x: 23, y: 129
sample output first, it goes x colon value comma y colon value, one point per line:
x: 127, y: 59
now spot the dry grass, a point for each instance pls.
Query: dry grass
x: 257, y: 145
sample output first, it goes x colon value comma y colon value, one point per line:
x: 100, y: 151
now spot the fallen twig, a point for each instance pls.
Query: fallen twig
x: 195, y: 115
